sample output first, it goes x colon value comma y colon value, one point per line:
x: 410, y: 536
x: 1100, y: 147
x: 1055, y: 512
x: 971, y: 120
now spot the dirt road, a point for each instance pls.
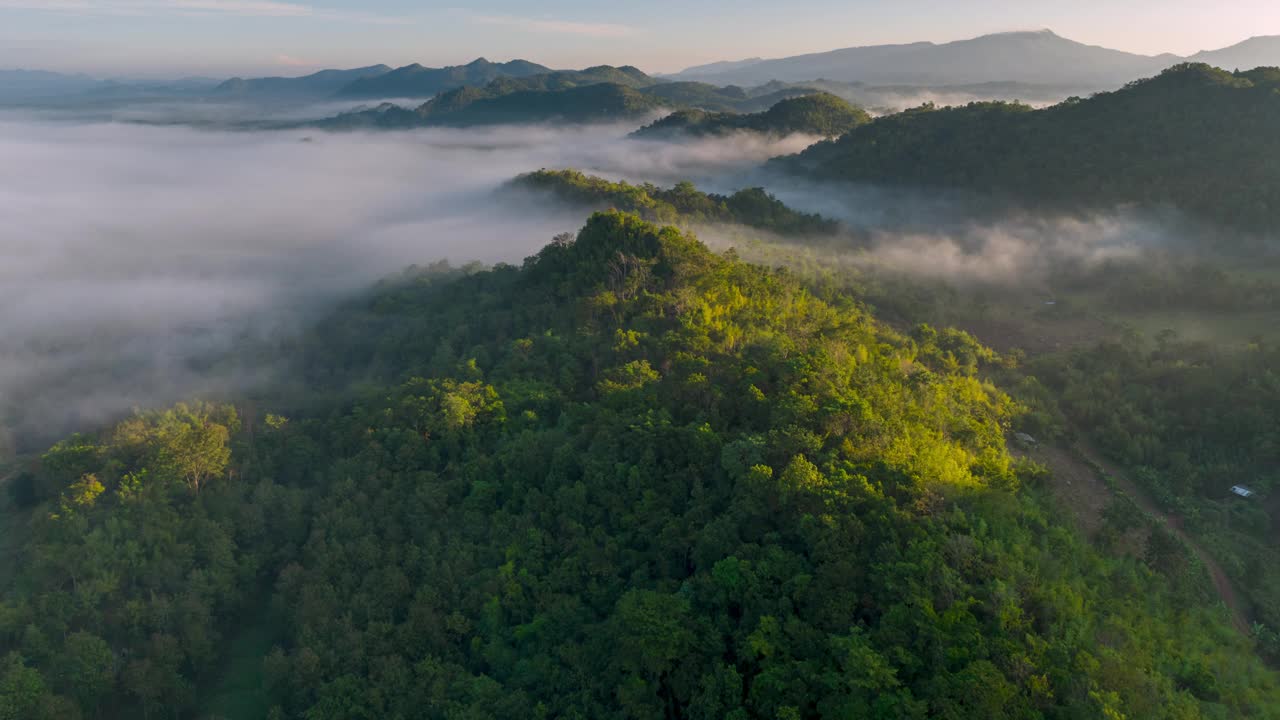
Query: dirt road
x: 1221, y: 583
x: 1087, y: 492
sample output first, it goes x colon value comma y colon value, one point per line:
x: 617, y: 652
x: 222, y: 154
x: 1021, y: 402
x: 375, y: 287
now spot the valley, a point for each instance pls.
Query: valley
x: 838, y: 385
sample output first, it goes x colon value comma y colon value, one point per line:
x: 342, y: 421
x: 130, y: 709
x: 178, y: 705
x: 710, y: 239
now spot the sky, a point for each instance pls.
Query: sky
x: 217, y: 38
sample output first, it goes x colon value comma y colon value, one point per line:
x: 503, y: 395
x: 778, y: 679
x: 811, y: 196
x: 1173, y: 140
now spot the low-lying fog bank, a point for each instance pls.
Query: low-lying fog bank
x: 134, y: 257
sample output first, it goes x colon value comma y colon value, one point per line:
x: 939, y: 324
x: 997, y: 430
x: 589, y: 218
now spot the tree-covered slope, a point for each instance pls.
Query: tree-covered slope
x: 317, y: 85
x: 511, y: 101
x: 609, y: 93
x: 418, y: 81
x: 625, y: 76
x: 1195, y: 137
x: 589, y: 103
x: 731, y: 98
x: 813, y: 114
x: 631, y: 478
x: 682, y: 204
x: 1187, y: 421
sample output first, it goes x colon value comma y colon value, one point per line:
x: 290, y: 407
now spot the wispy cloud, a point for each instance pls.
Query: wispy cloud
x: 561, y: 27
x: 150, y: 7
x: 239, y: 7
x: 246, y: 8
x: 291, y: 61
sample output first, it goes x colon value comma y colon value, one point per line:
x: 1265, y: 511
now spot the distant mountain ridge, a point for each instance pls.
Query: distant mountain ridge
x: 509, y: 101
x: 1039, y: 57
x: 722, y: 66
x: 817, y: 114
x: 1006, y: 65
x: 1194, y: 137
x: 605, y: 93
x: 418, y: 81
x: 374, y: 81
x: 34, y: 84
x: 1260, y: 51
x: 324, y: 82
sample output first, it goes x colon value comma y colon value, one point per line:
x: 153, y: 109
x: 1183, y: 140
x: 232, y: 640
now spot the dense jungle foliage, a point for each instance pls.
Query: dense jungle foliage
x: 729, y: 98
x: 681, y: 204
x: 606, y: 93
x: 1188, y: 421
x: 820, y: 114
x: 1195, y: 137
x: 501, y: 102
x: 629, y: 479
x: 418, y: 81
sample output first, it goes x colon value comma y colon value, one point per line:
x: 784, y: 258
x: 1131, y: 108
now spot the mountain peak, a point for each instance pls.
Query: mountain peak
x: 1039, y: 57
x: 1257, y: 51
x: 1042, y: 34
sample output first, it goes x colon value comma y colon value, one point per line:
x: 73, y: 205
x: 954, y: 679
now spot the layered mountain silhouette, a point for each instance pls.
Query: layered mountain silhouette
x: 1263, y: 51
x: 325, y: 82
x: 418, y: 81
x: 24, y: 84
x: 1041, y: 58
x: 1014, y: 63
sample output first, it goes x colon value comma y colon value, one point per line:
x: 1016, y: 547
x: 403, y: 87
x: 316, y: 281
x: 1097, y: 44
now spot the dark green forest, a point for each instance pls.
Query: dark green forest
x: 502, y: 102
x: 730, y: 98
x: 634, y: 476
x: 681, y: 204
x: 817, y: 114
x: 415, y: 80
x: 590, y: 95
x: 1187, y: 421
x: 606, y: 93
x: 629, y: 478
x: 1197, y: 138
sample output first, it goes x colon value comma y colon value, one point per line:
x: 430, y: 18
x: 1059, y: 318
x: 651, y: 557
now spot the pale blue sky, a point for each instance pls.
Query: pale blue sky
x: 290, y: 37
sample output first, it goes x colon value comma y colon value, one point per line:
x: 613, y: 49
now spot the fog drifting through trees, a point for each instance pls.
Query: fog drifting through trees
x: 136, y: 256
x: 131, y: 252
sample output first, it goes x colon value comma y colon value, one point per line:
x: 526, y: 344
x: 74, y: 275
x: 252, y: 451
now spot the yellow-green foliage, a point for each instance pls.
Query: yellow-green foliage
x: 712, y: 495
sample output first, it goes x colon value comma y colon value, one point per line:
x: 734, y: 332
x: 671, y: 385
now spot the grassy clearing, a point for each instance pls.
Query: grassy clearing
x: 1216, y: 328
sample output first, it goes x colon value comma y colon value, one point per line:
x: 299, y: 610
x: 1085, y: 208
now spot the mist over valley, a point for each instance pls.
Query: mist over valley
x: 910, y: 380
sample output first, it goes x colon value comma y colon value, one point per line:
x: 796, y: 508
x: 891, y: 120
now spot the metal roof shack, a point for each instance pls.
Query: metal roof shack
x: 1242, y: 491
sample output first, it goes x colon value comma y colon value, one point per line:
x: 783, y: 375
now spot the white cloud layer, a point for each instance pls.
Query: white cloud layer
x: 135, y: 258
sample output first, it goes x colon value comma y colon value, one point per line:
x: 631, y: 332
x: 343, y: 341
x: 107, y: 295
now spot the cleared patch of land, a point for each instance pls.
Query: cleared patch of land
x: 1084, y: 484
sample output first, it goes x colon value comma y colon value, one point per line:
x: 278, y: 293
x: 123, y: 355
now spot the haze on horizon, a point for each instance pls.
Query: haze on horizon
x: 171, y: 38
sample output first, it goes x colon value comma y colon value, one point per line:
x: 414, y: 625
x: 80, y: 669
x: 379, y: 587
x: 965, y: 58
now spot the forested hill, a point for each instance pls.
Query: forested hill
x: 320, y: 84
x: 593, y: 95
x: 418, y: 81
x: 682, y: 204
x: 820, y: 114
x: 606, y: 93
x: 625, y: 76
x: 1196, y: 137
x: 629, y: 479
x: 589, y: 103
x: 1039, y: 57
x: 602, y: 102
x: 729, y: 98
